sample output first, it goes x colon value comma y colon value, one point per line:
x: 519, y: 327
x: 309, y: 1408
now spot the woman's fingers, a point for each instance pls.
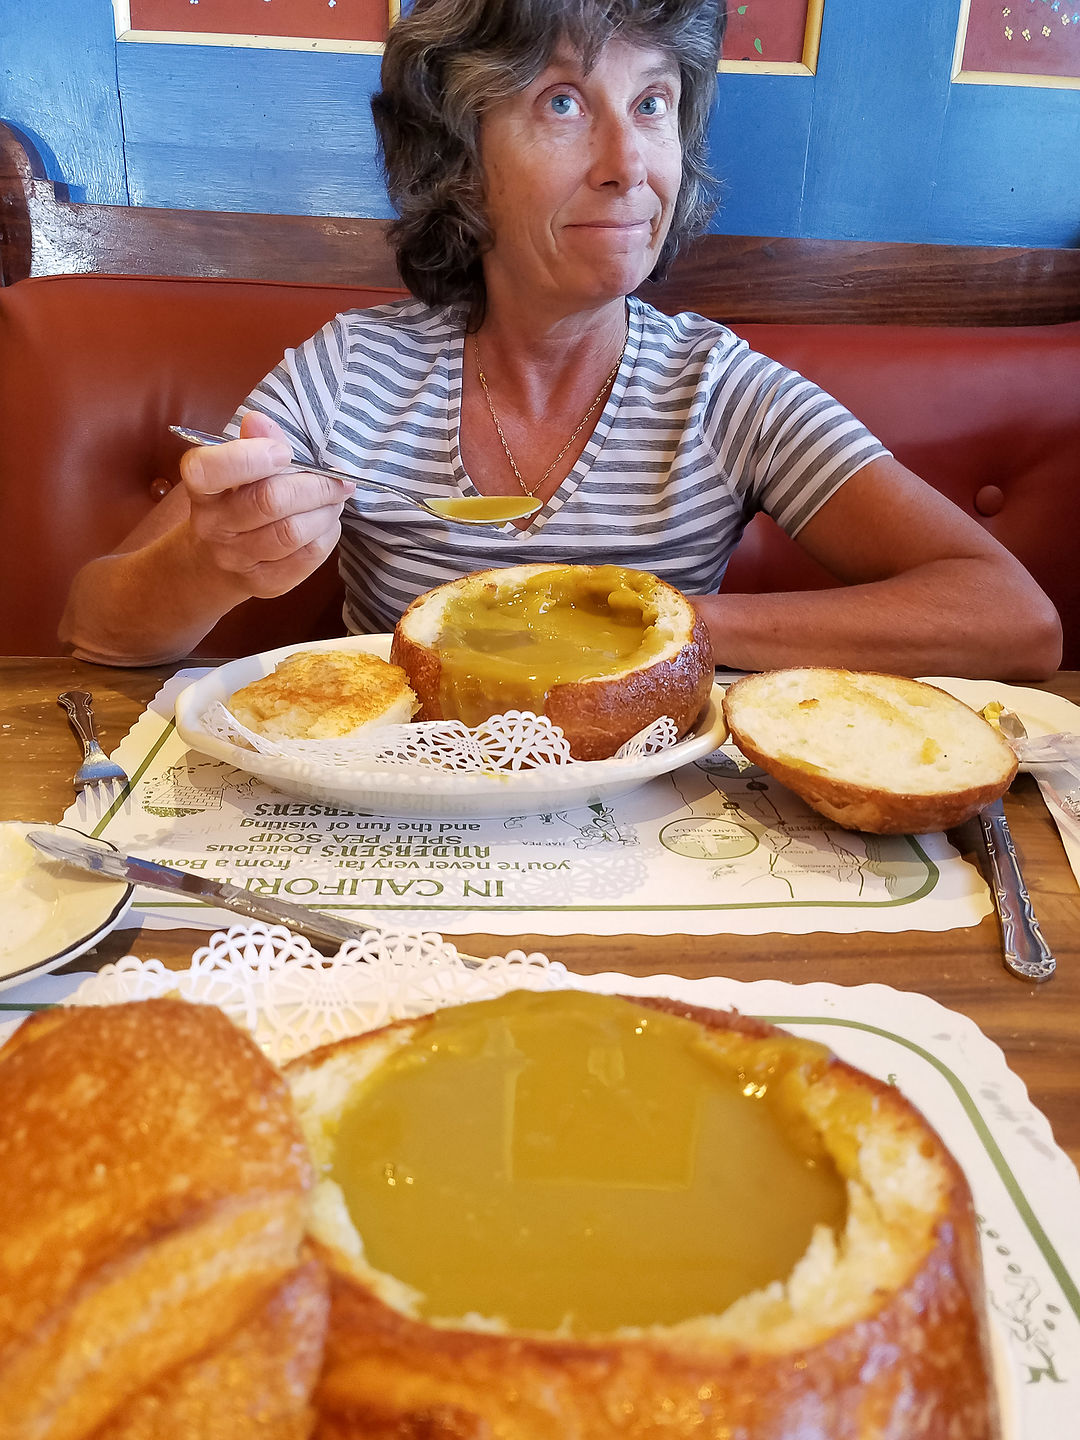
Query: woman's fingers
x: 278, y: 496
x: 270, y: 501
x: 275, y: 540
x: 255, y: 423
x: 237, y: 512
x: 255, y: 513
x: 285, y: 537
x: 276, y: 559
x: 262, y: 449
x: 214, y: 469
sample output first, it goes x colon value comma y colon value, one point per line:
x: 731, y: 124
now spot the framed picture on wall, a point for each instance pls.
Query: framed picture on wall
x: 1018, y: 42
x: 772, y: 37
x: 340, y: 25
x: 769, y: 37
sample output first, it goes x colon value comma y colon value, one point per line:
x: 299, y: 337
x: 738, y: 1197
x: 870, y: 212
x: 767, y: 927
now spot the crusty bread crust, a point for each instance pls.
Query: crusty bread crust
x: 596, y: 716
x: 231, y: 1392
x: 902, y: 797
x: 891, y: 1344
x: 154, y: 1181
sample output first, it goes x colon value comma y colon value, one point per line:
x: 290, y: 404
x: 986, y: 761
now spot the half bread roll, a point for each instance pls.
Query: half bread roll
x: 872, y: 752
x: 151, y: 1270
x: 325, y: 695
x: 601, y: 650
x: 813, y: 1204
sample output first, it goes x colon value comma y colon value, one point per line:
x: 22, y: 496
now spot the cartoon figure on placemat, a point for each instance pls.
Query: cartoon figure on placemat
x: 187, y: 788
x: 596, y: 824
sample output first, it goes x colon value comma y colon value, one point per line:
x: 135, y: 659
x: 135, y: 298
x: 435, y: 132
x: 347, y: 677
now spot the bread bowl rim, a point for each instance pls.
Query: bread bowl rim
x: 698, y: 1336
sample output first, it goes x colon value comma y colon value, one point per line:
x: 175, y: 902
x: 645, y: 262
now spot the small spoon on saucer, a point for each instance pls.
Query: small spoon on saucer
x: 465, y: 510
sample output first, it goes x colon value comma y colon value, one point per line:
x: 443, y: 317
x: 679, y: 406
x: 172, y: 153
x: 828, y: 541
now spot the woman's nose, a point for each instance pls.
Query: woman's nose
x: 618, y: 157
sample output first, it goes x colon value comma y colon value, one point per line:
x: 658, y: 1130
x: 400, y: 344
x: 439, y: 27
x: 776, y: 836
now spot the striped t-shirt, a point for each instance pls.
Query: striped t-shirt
x: 698, y: 433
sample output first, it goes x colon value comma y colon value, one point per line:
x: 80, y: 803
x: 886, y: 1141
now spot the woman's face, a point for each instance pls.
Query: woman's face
x: 581, y: 177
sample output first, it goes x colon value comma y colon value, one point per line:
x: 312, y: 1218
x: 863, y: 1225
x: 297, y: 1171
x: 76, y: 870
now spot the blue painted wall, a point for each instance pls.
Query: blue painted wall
x: 877, y: 145
x: 58, y: 85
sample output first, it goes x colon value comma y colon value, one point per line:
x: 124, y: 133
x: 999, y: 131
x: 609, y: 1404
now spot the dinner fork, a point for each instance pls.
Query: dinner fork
x: 97, y: 771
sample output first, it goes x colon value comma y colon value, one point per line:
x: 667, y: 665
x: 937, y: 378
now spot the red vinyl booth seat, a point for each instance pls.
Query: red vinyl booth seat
x: 93, y: 369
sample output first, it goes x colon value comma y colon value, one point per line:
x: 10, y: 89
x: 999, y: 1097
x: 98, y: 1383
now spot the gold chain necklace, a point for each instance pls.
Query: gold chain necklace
x: 577, y: 429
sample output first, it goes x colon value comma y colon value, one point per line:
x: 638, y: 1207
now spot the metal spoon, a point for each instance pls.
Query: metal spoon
x: 465, y: 510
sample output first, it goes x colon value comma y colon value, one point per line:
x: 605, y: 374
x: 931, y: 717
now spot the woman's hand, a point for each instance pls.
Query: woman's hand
x: 255, y: 515
x: 245, y: 522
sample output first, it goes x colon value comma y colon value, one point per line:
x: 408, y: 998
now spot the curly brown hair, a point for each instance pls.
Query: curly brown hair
x: 449, y: 61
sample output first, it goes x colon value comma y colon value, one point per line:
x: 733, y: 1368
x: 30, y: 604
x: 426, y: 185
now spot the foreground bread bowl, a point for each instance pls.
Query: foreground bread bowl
x: 152, y: 1282
x: 880, y: 753
x: 152, y: 1277
x: 877, y: 1331
x: 601, y: 650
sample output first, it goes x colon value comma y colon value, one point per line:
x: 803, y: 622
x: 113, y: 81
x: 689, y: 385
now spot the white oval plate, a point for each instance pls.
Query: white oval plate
x: 50, y: 912
x: 413, y: 790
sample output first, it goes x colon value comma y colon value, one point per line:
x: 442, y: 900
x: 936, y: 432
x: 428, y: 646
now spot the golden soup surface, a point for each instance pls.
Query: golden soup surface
x: 582, y: 1162
x: 554, y: 628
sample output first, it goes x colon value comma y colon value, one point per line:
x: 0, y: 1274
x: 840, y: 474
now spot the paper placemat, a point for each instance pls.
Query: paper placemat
x: 1027, y: 1192
x: 715, y: 847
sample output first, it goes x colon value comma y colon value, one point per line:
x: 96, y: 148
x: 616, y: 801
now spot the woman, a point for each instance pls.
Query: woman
x: 546, y: 157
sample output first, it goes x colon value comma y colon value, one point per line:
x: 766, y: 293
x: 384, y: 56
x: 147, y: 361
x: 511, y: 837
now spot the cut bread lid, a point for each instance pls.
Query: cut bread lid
x: 875, y: 752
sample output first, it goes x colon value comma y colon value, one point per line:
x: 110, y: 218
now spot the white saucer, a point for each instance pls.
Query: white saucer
x: 50, y: 912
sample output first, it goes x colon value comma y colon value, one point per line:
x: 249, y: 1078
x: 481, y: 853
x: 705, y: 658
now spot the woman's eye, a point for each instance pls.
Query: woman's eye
x: 654, y: 105
x: 564, y: 104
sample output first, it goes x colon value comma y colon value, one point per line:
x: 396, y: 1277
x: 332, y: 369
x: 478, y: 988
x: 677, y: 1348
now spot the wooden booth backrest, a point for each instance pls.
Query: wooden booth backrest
x: 116, y: 322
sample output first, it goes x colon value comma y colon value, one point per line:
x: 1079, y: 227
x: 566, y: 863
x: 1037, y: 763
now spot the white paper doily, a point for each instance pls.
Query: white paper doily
x: 518, y: 740
x: 293, y: 999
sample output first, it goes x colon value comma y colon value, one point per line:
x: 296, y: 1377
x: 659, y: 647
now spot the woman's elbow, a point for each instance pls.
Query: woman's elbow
x: 86, y: 637
x: 1033, y: 640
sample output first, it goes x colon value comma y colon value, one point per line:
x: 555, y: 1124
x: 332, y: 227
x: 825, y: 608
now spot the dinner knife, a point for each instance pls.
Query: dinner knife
x: 311, y: 924
x: 1024, y: 950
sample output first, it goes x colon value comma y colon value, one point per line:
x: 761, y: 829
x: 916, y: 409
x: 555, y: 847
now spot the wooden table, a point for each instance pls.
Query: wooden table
x: 1037, y: 1026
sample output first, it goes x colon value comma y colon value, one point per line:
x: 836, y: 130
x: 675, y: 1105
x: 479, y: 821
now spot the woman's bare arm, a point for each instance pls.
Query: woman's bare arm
x: 926, y: 592
x: 241, y: 524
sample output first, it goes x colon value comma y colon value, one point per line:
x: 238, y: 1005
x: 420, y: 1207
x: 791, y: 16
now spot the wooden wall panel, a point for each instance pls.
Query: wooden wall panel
x: 879, y: 144
x: 1000, y: 179
x: 879, y: 109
